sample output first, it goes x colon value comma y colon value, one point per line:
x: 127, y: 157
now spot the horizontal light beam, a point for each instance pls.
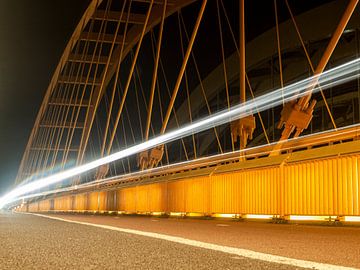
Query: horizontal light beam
x: 326, y: 134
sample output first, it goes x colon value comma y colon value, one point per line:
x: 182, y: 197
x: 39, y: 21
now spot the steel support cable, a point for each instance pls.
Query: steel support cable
x: 258, y: 112
x: 92, y: 155
x: 125, y: 139
x: 242, y: 129
x: 65, y: 117
x: 75, y: 111
x: 68, y: 129
x: 47, y: 142
x: 158, y: 93
x: 117, y: 139
x: 169, y: 94
x: 187, y: 86
x: 31, y: 160
x: 117, y: 70
x: 51, y: 131
x: 138, y: 79
x: 98, y: 126
x: 246, y: 76
x: 98, y: 130
x: 130, y: 123
x: 128, y: 120
x: 84, y: 89
x: 181, y: 73
x: 129, y: 77
x: 143, y: 96
x: 242, y: 66
x: 200, y: 82
x: 60, y: 129
x: 279, y: 47
x: 90, y: 114
x: 100, y: 134
x: 127, y: 116
x: 155, y: 72
x: 303, y: 102
x: 190, y: 114
x: 39, y: 140
x: 224, y: 67
x: 331, y: 46
x: 97, y: 62
x: 80, y: 69
x: 92, y: 149
x: 50, y: 116
x: 162, y: 119
x: 138, y: 106
x: 309, y: 61
x: 57, y: 128
x: 85, y: 137
x: 93, y: 57
x: 122, y: 161
x: 131, y: 128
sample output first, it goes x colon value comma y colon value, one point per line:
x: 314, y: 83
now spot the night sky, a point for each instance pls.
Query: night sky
x: 33, y: 35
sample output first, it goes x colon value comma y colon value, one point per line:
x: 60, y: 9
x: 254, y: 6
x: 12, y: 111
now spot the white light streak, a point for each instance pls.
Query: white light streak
x: 189, y: 163
x: 329, y: 78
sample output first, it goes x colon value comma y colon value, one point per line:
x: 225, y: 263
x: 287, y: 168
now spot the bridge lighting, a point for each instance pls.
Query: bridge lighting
x: 312, y: 218
x: 329, y: 78
x: 352, y: 218
x: 224, y: 215
x: 255, y: 216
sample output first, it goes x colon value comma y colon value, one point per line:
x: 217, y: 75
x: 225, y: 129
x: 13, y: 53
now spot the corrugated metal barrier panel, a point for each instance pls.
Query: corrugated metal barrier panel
x: 317, y: 186
x: 323, y: 187
x: 80, y: 202
x: 44, y: 205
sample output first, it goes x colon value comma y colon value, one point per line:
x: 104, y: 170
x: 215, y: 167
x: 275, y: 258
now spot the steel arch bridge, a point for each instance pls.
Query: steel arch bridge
x: 134, y: 69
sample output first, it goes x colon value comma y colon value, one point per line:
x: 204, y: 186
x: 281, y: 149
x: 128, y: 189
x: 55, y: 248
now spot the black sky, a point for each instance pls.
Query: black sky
x: 33, y: 35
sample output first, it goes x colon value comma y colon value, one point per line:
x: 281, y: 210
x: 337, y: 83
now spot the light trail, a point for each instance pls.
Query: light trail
x: 329, y: 78
x: 188, y: 164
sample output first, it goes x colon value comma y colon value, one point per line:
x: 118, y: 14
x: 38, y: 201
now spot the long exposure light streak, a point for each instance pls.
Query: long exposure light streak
x: 327, y: 79
x: 189, y: 164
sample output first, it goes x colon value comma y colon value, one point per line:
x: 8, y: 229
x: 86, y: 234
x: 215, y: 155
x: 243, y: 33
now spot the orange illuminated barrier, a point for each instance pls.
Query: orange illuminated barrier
x: 321, y: 183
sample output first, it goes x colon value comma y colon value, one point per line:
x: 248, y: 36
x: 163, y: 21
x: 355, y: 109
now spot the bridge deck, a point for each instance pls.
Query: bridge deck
x: 31, y: 241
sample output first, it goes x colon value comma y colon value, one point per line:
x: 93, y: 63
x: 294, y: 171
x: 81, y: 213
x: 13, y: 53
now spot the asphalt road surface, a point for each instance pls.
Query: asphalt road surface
x: 33, y: 242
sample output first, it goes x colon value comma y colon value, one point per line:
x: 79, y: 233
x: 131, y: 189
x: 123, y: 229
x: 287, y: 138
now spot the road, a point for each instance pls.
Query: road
x: 34, y: 242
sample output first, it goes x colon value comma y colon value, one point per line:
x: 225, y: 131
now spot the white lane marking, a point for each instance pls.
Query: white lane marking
x: 230, y: 250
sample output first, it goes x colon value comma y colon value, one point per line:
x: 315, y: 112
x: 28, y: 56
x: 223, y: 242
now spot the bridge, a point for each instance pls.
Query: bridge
x: 170, y: 121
